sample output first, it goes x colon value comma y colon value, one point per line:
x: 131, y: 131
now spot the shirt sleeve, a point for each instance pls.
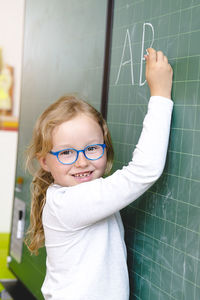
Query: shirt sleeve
x: 84, y: 204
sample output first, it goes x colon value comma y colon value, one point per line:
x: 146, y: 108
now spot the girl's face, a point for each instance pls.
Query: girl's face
x: 77, y: 133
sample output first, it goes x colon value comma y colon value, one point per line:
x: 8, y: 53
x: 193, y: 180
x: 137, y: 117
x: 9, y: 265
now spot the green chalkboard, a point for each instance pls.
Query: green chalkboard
x: 63, y: 53
x: 163, y: 226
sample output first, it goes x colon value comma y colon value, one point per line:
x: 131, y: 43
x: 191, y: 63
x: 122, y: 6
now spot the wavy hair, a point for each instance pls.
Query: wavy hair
x: 64, y: 109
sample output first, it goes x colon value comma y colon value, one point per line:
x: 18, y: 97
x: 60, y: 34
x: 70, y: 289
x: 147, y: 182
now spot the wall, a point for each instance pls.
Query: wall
x: 11, y: 35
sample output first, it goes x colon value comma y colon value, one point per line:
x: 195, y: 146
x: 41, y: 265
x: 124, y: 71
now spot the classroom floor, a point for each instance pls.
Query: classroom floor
x: 4, y: 271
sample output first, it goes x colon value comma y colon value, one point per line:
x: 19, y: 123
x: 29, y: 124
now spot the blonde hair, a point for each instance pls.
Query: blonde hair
x: 62, y: 110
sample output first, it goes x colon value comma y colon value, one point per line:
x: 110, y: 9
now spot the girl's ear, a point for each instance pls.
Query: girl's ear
x: 43, y: 164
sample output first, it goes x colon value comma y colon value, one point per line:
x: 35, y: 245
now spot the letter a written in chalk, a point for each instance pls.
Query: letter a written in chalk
x: 126, y: 57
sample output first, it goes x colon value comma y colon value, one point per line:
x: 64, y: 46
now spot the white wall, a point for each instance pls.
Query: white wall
x: 11, y: 40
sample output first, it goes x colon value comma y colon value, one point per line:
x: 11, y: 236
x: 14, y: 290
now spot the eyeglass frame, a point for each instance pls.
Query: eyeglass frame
x: 56, y: 153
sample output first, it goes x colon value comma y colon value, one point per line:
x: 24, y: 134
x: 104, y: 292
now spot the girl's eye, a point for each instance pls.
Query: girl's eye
x: 67, y: 152
x: 92, y: 148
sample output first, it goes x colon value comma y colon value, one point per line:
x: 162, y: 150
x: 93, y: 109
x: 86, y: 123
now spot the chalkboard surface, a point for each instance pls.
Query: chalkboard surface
x: 63, y: 53
x: 163, y: 226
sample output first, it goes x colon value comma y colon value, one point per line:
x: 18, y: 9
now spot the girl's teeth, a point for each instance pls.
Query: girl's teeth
x: 82, y: 175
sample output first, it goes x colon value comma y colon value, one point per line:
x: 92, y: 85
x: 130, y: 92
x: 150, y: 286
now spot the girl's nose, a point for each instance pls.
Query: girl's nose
x: 82, y: 161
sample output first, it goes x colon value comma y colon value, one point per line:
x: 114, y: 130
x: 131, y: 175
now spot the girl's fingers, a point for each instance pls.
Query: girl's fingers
x: 155, y: 56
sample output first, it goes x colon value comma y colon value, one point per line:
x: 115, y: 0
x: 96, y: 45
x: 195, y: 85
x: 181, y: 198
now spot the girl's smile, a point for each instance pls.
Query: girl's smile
x: 83, y: 176
x: 76, y: 133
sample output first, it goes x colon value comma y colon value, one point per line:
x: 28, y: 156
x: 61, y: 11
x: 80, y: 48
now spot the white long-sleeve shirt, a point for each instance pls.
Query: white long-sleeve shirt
x: 84, y: 235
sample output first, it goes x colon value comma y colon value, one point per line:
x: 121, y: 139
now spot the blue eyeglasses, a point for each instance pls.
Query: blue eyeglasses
x: 70, y: 155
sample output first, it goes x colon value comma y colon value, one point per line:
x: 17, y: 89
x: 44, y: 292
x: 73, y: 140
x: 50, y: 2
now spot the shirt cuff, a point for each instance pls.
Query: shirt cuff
x: 161, y: 100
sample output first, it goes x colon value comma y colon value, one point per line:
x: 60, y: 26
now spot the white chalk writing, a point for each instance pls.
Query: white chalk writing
x: 127, y: 46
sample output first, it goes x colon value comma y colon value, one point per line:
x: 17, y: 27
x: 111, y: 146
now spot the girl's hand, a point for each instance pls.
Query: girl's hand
x: 158, y: 73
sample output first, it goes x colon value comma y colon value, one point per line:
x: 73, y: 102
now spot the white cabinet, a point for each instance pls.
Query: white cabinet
x: 8, y: 146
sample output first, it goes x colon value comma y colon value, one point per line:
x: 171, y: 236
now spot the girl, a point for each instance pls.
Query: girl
x: 74, y: 210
